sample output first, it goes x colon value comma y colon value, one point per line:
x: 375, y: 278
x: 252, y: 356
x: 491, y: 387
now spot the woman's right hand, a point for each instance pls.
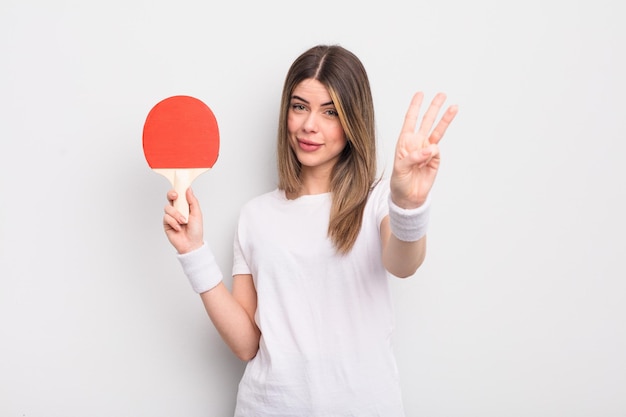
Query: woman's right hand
x: 184, y: 236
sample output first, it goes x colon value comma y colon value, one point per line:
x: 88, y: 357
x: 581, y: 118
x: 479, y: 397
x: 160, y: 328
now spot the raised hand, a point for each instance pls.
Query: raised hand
x: 184, y: 237
x: 417, y: 152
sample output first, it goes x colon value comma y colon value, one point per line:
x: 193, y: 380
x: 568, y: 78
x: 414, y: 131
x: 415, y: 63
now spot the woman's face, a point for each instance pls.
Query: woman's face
x: 315, y: 133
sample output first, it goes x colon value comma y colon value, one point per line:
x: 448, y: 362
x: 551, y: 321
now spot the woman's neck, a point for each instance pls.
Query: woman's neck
x: 312, y: 183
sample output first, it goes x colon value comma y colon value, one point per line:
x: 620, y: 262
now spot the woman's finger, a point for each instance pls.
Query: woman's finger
x: 175, y: 214
x: 431, y: 114
x: 170, y: 222
x: 412, y: 114
x: 171, y: 196
x: 422, y: 157
x: 194, y: 205
x: 443, y: 124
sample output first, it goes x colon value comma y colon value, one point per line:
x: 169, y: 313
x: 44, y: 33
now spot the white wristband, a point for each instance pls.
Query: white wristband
x: 409, y: 225
x: 200, y: 268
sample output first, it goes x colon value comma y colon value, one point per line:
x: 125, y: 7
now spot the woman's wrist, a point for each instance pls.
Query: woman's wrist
x: 201, y: 269
x: 190, y: 248
x: 409, y: 225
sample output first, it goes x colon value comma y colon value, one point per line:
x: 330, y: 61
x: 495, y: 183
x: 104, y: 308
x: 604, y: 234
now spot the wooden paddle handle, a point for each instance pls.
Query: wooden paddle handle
x: 181, y: 180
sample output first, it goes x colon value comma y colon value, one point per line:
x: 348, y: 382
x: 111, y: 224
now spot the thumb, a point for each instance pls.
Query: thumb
x: 425, y: 155
x: 194, y: 205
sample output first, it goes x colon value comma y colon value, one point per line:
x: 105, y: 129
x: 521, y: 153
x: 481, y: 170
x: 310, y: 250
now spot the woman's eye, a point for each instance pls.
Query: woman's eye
x: 332, y: 112
x: 298, y: 107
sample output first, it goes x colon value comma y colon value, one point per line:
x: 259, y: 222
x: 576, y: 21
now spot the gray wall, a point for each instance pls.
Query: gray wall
x: 520, y: 308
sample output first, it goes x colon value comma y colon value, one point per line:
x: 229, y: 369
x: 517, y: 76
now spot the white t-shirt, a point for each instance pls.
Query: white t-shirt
x: 326, y: 320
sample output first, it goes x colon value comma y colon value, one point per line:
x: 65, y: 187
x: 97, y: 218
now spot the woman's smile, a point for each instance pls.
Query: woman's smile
x: 308, y: 146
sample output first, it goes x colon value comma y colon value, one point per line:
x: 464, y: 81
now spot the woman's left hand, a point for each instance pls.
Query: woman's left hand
x: 417, y: 152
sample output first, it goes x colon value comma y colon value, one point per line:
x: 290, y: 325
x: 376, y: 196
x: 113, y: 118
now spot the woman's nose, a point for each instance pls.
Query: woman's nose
x: 310, y: 123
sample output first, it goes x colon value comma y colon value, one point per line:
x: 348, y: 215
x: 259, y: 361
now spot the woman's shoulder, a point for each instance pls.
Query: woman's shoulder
x: 377, y: 205
x: 262, y: 209
x: 261, y: 200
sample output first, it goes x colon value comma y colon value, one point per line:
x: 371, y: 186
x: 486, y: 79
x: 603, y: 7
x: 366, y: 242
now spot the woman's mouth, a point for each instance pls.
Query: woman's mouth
x: 308, y: 146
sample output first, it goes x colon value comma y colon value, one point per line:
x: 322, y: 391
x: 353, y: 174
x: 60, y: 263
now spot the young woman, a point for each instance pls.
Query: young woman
x: 310, y: 308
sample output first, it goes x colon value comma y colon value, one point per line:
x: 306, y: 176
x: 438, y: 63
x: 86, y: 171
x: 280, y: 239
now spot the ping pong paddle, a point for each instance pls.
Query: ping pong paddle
x: 181, y: 141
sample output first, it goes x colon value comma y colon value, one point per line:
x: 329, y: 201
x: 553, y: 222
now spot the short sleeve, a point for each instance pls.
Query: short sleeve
x: 379, y: 200
x: 240, y: 266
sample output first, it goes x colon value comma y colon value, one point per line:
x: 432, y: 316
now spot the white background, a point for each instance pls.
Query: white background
x: 520, y: 307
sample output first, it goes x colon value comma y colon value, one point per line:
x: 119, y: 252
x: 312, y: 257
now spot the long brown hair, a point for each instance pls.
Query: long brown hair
x: 343, y: 74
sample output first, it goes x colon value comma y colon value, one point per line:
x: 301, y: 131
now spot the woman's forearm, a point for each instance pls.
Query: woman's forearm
x: 234, y: 324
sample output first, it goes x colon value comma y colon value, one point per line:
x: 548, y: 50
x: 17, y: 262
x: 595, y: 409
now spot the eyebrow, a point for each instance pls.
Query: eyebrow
x: 294, y: 97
